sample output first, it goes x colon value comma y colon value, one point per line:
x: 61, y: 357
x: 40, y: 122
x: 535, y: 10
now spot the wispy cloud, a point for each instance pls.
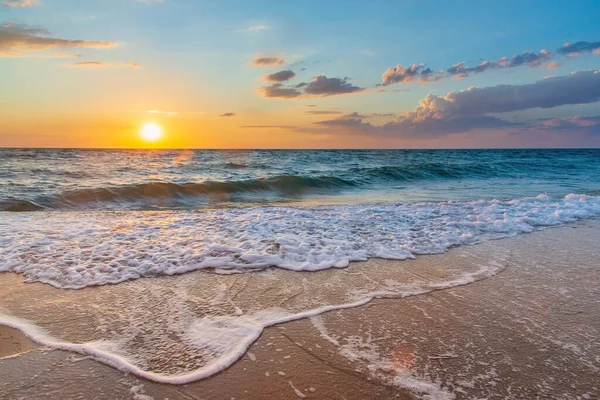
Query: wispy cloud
x: 14, y: 38
x: 267, y: 61
x: 20, y: 3
x: 100, y: 64
x: 553, y: 65
x: 268, y: 127
x: 14, y: 54
x: 255, y: 28
x: 150, y: 1
x: 322, y: 112
x: 229, y: 114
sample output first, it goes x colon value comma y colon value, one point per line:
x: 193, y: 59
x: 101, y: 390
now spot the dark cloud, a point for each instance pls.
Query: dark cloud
x: 267, y: 61
x: 474, y: 108
x: 577, y: 88
x: 229, y: 114
x: 18, y: 37
x: 418, y: 72
x: 526, y: 58
x: 280, y: 76
x: 575, y: 49
x: 324, y: 86
x: 462, y: 71
x: 320, y: 86
x: 277, y: 90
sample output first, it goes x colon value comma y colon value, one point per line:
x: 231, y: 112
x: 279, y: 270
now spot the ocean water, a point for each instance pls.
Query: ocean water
x: 73, y: 219
x: 39, y: 179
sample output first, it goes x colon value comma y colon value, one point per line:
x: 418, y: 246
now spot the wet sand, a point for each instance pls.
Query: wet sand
x: 531, y: 331
x: 14, y: 343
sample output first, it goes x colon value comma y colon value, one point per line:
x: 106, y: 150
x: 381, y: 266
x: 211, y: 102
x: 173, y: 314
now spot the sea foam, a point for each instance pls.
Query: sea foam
x: 78, y: 249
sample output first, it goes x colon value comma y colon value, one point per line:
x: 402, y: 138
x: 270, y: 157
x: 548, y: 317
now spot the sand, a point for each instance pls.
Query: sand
x: 531, y: 331
x: 14, y: 343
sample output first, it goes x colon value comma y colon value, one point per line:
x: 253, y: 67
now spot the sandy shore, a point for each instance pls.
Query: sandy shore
x: 531, y: 331
x: 14, y: 343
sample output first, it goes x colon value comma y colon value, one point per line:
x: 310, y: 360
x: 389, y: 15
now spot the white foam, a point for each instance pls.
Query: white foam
x: 75, y: 250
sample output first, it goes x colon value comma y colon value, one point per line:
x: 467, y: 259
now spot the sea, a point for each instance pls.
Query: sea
x: 182, y: 228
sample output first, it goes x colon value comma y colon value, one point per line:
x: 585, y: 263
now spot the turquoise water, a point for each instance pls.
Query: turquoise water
x: 52, y: 179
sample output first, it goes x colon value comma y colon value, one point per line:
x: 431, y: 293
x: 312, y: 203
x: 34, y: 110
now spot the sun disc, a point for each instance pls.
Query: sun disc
x: 151, y: 132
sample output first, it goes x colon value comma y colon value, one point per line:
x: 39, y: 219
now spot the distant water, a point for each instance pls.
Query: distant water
x: 194, y: 179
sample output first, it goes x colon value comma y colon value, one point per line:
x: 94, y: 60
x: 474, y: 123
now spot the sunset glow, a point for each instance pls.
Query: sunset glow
x: 272, y: 78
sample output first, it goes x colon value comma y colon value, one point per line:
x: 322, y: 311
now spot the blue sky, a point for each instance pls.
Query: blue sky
x: 194, y: 60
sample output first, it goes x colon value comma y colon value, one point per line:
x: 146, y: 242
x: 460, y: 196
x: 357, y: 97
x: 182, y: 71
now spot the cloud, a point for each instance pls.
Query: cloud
x: 321, y: 112
x: 324, y: 86
x: 100, y: 64
x: 473, y: 108
x: 277, y: 90
x: 553, y: 65
x: 399, y: 74
x: 14, y: 54
x: 419, y: 73
x: 267, y: 61
x: 575, y: 49
x: 229, y: 114
x: 320, y: 86
x: 18, y: 37
x: 570, y: 123
x: 255, y: 28
x: 150, y: 1
x: 20, y: 3
x: 268, y: 127
x: 280, y: 76
x: 526, y: 58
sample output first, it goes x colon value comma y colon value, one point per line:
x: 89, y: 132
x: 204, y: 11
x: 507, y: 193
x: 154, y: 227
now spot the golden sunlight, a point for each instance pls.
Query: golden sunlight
x: 151, y: 132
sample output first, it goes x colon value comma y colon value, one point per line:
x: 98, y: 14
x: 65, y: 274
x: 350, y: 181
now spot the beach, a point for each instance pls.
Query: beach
x: 527, y: 329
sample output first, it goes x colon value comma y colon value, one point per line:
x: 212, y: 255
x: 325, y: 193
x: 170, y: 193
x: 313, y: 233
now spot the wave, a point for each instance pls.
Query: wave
x: 236, y: 165
x: 435, y: 171
x: 286, y: 184
x: 244, y: 239
x: 19, y: 205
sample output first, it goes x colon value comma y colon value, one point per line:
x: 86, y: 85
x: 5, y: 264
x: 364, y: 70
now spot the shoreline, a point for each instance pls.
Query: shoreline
x: 401, y: 361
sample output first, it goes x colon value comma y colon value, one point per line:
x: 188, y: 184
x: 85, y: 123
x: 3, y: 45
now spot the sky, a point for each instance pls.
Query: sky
x: 299, y: 74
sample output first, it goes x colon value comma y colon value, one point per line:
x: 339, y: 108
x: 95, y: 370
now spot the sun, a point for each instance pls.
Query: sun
x: 151, y: 132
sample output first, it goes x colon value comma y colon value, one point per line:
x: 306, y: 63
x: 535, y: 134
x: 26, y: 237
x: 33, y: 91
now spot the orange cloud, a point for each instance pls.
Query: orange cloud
x: 14, y: 54
x: 18, y: 37
x: 100, y: 64
x: 267, y: 61
x: 20, y: 3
